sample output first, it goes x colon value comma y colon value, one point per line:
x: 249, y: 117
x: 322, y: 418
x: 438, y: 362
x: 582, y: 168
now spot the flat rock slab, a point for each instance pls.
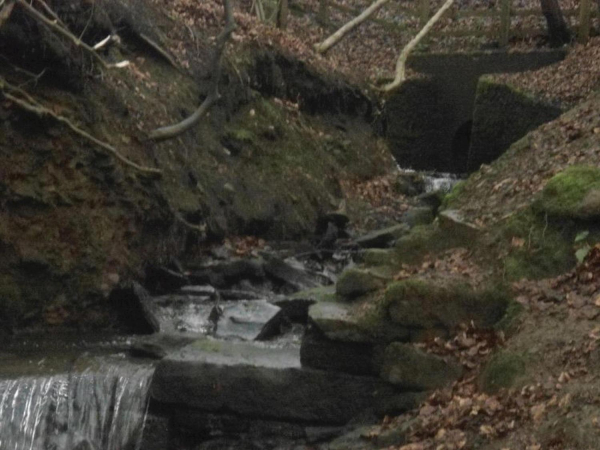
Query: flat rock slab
x: 382, y: 238
x: 245, y: 319
x: 255, y: 380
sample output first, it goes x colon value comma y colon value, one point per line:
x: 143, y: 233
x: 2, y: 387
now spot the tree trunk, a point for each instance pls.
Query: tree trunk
x: 557, y: 27
x: 282, y: 14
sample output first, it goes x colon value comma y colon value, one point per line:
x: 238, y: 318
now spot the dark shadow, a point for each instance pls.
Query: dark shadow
x: 460, y: 147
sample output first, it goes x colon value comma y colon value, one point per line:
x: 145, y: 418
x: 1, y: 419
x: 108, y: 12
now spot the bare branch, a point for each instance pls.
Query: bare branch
x: 401, y: 63
x: 339, y: 34
x: 28, y: 103
x: 175, y: 130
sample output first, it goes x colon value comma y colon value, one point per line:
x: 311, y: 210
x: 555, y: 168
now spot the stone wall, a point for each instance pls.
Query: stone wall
x: 442, y: 104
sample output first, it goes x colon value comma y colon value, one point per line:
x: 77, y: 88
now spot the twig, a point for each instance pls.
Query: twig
x: 88, y: 21
x: 51, y: 13
x: 175, y: 130
x: 33, y: 106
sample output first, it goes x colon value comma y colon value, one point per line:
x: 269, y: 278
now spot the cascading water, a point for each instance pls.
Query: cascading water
x: 100, y: 408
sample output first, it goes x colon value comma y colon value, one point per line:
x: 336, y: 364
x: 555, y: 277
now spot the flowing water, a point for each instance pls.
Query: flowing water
x: 99, y: 407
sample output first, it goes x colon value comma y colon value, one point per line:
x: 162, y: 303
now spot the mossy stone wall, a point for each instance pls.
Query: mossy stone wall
x: 503, y: 115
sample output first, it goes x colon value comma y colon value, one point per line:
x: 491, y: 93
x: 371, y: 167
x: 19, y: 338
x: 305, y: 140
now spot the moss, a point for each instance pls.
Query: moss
x: 356, y: 282
x: 509, y: 322
x: 573, y: 193
x: 503, y: 370
x: 428, y: 304
x: 379, y: 257
x: 450, y: 198
x: 318, y: 294
x: 501, y: 116
x: 424, y: 239
x: 533, y: 248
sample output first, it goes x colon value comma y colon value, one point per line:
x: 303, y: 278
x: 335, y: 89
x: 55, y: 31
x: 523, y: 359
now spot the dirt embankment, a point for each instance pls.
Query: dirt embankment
x: 267, y: 160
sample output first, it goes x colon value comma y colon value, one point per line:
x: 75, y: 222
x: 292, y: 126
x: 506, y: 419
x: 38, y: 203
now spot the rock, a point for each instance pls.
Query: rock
x: 409, y: 184
x: 422, y: 215
x: 238, y: 294
x: 574, y: 193
x: 382, y: 238
x: 432, y: 199
x: 345, y: 322
x: 295, y: 309
x: 136, y: 308
x: 283, y: 271
x: 245, y: 319
x: 356, y: 282
x: 378, y: 257
x: 161, y: 280
x: 159, y: 345
x: 431, y: 304
x: 253, y: 380
x: 223, y: 275
x: 502, y: 371
x: 410, y: 368
x: 319, y: 352
x: 198, y: 290
x: 453, y: 222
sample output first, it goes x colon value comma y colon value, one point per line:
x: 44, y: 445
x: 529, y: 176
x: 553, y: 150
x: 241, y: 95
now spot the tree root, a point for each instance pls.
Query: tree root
x: 28, y: 103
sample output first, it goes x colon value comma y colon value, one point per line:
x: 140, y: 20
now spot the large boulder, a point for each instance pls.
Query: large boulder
x: 254, y: 380
x: 410, y: 368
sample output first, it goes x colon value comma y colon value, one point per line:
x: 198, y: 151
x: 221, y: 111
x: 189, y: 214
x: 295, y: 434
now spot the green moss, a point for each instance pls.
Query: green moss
x: 451, y: 196
x: 428, y: 304
x: 424, y: 239
x: 502, y: 371
x: 379, y: 257
x: 573, y: 193
x: 510, y: 320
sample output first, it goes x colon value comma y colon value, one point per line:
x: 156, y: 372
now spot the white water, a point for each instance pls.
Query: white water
x: 97, y: 409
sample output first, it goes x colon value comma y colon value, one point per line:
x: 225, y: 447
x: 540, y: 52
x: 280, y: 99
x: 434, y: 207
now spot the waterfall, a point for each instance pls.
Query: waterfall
x: 100, y: 408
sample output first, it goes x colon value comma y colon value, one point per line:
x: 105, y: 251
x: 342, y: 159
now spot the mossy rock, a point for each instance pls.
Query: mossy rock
x: 430, y: 304
x: 450, y: 198
x: 420, y: 241
x: 357, y: 282
x: 378, y: 257
x: 318, y: 294
x: 349, y: 323
x: 546, y: 249
x: 574, y: 193
x: 410, y: 368
x: 503, y: 370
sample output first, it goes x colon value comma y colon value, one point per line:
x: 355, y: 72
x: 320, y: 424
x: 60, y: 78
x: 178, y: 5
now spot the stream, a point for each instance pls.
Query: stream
x: 68, y: 392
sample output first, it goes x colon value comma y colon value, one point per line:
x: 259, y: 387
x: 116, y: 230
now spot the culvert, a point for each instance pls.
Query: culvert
x: 430, y: 122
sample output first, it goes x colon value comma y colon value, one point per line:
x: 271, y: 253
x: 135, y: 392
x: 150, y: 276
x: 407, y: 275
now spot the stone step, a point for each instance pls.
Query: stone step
x: 253, y: 379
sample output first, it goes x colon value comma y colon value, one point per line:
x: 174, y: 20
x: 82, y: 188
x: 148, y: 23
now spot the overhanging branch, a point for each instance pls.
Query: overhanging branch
x: 175, y: 130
